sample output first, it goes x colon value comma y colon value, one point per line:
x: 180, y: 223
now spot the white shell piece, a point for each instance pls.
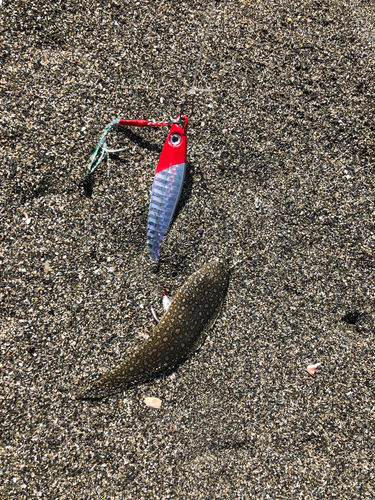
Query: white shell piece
x: 166, y: 302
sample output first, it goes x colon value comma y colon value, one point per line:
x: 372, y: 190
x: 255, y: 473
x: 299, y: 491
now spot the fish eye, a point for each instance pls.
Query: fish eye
x: 175, y: 139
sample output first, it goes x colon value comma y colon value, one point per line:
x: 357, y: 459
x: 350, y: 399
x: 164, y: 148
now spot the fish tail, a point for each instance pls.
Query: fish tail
x: 107, y: 385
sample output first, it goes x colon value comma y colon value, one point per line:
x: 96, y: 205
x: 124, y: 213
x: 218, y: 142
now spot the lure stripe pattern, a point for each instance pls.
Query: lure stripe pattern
x: 165, y: 194
x: 177, y: 334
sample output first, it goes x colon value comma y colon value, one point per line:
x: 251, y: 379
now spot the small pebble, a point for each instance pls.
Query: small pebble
x: 312, y: 368
x: 153, y: 402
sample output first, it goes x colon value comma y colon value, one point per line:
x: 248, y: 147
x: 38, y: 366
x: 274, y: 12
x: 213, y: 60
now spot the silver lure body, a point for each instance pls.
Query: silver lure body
x: 166, y: 191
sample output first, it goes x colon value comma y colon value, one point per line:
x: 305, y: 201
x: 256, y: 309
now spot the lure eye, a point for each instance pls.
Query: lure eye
x: 175, y: 139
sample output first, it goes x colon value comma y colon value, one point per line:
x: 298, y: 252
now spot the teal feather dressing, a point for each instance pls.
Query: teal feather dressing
x: 190, y: 314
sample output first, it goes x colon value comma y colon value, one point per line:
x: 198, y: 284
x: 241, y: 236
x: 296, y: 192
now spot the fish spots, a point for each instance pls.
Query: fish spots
x: 177, y: 332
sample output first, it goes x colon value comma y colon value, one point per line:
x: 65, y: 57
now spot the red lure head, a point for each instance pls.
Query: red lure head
x: 174, y: 150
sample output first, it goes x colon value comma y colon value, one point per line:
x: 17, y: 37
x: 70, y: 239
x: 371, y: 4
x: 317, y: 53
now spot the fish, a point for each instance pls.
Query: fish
x: 191, y: 313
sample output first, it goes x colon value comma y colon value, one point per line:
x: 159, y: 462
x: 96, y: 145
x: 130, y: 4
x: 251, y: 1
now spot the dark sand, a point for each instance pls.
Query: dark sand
x: 280, y: 182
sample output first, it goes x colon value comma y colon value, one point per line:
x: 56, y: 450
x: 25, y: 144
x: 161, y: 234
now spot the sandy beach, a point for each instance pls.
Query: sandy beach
x: 280, y: 184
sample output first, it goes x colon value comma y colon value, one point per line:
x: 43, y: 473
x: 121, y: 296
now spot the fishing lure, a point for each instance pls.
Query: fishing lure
x: 178, y: 333
x: 167, y: 186
x: 169, y: 175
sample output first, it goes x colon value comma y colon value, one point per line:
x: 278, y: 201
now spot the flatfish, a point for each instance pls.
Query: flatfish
x: 192, y: 311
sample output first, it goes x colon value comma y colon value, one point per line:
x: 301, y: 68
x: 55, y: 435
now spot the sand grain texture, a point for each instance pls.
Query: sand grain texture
x: 280, y: 176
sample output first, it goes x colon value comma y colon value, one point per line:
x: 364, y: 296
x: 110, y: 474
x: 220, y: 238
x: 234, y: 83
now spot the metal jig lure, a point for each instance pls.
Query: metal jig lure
x: 167, y: 185
x: 169, y: 175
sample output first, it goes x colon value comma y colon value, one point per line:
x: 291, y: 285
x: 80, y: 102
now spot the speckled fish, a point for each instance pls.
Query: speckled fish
x: 191, y: 313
